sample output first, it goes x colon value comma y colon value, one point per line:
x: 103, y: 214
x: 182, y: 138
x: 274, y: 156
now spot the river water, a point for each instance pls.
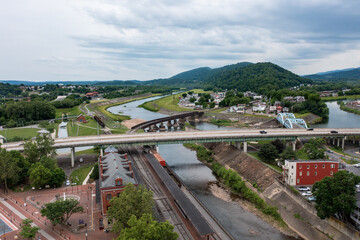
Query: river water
x: 339, y: 118
x: 239, y: 223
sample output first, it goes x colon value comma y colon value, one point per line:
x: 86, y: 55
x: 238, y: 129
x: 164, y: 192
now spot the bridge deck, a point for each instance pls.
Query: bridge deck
x: 191, y: 137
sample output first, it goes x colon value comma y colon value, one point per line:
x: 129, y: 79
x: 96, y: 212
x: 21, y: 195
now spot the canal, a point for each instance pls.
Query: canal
x: 240, y: 223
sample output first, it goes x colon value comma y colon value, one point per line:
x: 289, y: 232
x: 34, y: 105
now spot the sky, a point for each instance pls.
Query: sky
x: 52, y: 40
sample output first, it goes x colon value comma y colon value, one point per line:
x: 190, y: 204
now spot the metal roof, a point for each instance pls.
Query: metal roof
x: 186, y: 206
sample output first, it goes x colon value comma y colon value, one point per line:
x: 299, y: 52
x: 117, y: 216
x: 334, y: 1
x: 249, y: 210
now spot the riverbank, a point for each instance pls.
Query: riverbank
x: 349, y: 108
x: 231, y: 188
x: 337, y: 98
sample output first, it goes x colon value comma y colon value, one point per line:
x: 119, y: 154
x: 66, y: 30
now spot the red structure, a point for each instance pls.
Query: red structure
x: 81, y: 118
x: 92, y: 94
x: 302, y: 172
x: 115, y: 172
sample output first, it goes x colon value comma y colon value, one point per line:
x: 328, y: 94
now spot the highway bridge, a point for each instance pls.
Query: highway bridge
x: 289, y: 120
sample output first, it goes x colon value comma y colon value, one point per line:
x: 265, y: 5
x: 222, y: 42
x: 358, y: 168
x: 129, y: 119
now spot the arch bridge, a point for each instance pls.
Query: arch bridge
x: 289, y: 120
x: 174, y: 121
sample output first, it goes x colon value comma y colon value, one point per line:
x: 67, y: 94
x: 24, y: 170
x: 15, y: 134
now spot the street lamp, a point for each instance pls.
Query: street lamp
x: 86, y: 234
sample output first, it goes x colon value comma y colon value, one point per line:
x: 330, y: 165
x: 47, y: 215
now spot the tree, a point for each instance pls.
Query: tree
x: 279, y: 145
x: 288, y: 153
x: 146, y: 228
x: 41, y: 147
x: 336, y: 195
x: 212, y: 105
x: 184, y: 95
x: 192, y: 100
x: 60, y: 211
x: 132, y: 201
x: 58, y: 177
x: 39, y: 175
x: 315, y: 148
x: 9, y: 169
x: 268, y: 152
x: 48, y: 162
x: 28, y: 231
x: 95, y: 173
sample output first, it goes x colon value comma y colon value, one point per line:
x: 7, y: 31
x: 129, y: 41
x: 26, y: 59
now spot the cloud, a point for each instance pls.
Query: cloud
x: 122, y: 39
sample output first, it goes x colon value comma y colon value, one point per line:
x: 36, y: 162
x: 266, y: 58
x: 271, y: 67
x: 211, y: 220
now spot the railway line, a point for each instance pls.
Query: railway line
x: 162, y: 202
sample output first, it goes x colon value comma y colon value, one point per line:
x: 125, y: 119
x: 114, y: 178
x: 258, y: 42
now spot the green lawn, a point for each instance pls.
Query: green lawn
x: 81, y: 129
x: 87, y: 151
x: 78, y: 176
x: 19, y: 134
x: 170, y: 102
x: 301, y: 115
x: 70, y: 111
x: 349, y: 161
x: 340, y: 98
x: 339, y: 150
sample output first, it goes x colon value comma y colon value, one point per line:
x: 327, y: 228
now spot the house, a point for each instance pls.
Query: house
x: 81, y: 118
x: 289, y: 98
x: 115, y: 171
x: 272, y: 109
x: 285, y: 110
x: 307, y: 172
x: 279, y: 109
x: 299, y: 99
x: 92, y: 94
x: 277, y: 103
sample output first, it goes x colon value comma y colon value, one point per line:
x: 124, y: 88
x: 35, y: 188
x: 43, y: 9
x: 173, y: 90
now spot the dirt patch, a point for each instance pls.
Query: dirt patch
x: 312, y: 119
x: 132, y: 122
x: 248, y: 167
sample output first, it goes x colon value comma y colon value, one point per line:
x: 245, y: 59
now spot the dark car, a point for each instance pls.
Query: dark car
x: 333, y: 131
x: 310, y: 129
x: 101, y: 223
x: 263, y: 132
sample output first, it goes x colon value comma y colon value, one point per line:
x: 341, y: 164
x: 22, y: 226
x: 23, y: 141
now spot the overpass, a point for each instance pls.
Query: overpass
x: 289, y: 120
x: 174, y: 121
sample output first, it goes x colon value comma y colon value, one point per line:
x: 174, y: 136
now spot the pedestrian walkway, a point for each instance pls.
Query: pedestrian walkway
x: 19, y: 214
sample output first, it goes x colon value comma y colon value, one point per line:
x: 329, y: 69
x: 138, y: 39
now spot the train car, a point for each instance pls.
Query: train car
x: 159, y: 158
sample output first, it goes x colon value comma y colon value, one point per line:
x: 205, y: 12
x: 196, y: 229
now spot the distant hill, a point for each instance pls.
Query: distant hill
x: 350, y: 74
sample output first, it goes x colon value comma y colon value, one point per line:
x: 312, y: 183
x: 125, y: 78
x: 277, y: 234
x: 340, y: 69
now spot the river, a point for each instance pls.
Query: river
x: 239, y: 223
x: 339, y: 118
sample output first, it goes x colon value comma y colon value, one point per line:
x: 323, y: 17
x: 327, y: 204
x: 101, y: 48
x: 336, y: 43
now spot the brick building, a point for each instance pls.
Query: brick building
x: 115, y: 171
x: 307, y: 172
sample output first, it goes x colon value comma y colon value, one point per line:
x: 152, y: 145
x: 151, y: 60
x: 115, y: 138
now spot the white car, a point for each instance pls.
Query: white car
x: 308, y: 193
x: 357, y: 165
x: 304, y: 188
x: 67, y: 183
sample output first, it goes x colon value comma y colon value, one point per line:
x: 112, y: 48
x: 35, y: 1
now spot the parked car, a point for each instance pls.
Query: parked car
x: 67, y: 183
x: 357, y: 165
x: 309, y: 129
x: 311, y: 198
x: 333, y: 131
x: 308, y: 193
x: 263, y: 132
x: 304, y: 188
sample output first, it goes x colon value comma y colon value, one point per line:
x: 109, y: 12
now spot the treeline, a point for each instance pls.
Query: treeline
x: 15, y: 114
x: 118, y: 92
x: 70, y: 101
x: 37, y: 165
x: 7, y: 90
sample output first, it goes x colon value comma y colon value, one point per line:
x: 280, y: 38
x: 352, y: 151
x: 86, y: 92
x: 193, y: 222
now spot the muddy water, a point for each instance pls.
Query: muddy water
x: 240, y: 223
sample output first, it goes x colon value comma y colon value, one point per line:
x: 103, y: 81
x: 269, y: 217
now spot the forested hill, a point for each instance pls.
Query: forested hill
x: 255, y: 77
x: 340, y: 75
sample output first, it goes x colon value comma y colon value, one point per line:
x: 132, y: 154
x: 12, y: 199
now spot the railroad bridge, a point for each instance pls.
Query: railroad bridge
x: 174, y: 121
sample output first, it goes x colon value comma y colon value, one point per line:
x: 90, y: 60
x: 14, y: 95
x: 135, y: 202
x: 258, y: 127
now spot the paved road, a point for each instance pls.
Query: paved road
x: 194, y: 136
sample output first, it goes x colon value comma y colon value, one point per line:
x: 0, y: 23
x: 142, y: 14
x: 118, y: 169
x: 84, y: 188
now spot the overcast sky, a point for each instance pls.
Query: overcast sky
x: 118, y: 39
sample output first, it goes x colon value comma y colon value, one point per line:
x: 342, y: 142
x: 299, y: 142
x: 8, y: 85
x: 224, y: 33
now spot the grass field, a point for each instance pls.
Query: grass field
x: 301, y: 115
x: 340, y: 98
x: 19, y: 134
x: 169, y: 102
x: 78, y: 176
x: 87, y: 151
x: 81, y: 129
x: 70, y: 111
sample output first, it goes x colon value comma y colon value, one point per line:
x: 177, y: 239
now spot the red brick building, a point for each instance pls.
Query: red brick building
x: 81, y: 118
x: 115, y: 171
x: 307, y: 172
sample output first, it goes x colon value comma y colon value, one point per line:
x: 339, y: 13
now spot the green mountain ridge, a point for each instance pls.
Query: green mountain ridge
x: 349, y: 75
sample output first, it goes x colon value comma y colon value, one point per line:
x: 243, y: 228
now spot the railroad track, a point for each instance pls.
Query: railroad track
x: 159, y: 197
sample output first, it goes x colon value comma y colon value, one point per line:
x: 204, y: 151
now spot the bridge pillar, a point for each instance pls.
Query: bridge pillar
x: 238, y: 145
x: 294, y: 146
x: 333, y: 141
x: 245, y: 147
x: 343, y: 143
x: 338, y: 142
x: 175, y: 125
x: 353, y: 139
x: 72, y: 155
x: 162, y: 127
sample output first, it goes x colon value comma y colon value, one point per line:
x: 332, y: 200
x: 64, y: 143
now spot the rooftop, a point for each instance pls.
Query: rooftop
x: 115, y: 166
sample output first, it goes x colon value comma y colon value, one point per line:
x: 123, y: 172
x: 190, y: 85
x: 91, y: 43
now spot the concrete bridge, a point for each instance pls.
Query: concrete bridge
x: 238, y: 137
x: 174, y: 121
